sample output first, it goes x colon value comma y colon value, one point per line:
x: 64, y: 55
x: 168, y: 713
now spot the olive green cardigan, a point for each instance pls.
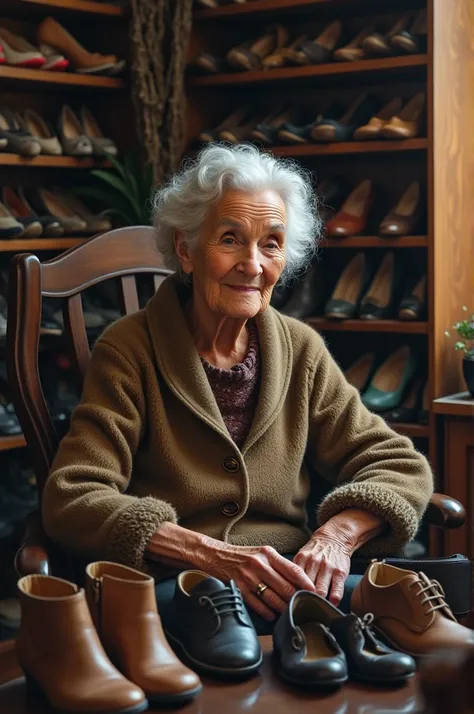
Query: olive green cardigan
x: 148, y: 444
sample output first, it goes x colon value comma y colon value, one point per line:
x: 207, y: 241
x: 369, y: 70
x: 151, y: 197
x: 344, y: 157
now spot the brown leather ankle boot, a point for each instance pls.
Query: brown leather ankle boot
x: 123, y: 605
x: 61, y: 654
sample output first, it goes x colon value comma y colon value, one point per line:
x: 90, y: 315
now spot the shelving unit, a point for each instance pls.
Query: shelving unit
x: 84, y: 6
x: 7, y: 443
x: 57, y: 162
x: 69, y: 80
x: 440, y: 159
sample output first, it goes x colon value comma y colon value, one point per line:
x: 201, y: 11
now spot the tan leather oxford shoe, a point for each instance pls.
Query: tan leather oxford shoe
x: 409, y: 610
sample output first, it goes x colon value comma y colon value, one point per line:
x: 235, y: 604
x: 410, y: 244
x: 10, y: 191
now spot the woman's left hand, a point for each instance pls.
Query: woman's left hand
x: 326, y: 560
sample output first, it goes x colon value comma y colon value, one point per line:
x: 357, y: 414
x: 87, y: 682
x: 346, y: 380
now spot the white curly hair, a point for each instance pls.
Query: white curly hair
x: 182, y: 204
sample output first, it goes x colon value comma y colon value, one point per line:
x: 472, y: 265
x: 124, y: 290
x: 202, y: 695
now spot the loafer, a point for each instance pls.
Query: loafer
x: 305, y: 650
x: 368, y: 659
x: 213, y: 632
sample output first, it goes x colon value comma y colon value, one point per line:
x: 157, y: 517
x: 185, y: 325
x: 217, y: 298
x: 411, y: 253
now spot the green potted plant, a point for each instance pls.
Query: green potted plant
x: 465, y: 330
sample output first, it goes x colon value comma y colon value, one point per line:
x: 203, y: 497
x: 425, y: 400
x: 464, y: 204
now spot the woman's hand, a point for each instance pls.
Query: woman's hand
x: 326, y: 561
x: 326, y: 557
x: 249, y: 566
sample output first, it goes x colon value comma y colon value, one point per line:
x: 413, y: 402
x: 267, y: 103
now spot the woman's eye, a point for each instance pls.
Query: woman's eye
x: 228, y: 238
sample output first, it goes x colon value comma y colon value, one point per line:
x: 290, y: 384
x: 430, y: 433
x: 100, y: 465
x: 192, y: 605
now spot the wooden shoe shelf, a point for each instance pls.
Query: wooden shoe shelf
x: 440, y: 158
x: 100, y: 24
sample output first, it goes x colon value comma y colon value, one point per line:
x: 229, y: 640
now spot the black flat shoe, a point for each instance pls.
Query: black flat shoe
x: 367, y: 657
x: 211, y: 629
x: 407, y: 411
x: 305, y: 651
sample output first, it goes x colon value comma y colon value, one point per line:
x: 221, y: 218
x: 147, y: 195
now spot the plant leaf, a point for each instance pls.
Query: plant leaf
x: 116, y: 212
x: 120, y: 186
x: 117, y: 165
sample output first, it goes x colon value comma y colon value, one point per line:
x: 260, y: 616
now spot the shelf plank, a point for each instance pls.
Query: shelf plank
x: 383, y: 64
x: 85, y: 6
x: 66, y: 79
x: 416, y: 431
x: 351, y: 147
x: 258, y: 6
x: 12, y: 442
x: 39, y: 244
x: 460, y: 404
x: 375, y: 242
x: 320, y: 323
x: 59, y: 162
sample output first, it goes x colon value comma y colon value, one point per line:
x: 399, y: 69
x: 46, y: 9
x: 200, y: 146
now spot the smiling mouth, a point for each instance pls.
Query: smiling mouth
x: 243, y: 288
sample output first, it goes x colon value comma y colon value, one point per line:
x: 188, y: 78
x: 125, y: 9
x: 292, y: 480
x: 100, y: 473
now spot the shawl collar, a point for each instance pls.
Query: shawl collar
x: 181, y: 367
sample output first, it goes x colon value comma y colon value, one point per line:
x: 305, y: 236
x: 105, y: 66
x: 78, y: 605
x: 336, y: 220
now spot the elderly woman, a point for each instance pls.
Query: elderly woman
x: 205, y: 415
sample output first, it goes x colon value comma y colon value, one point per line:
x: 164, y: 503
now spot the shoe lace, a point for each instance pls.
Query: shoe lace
x: 433, y: 593
x: 223, y: 602
x: 363, y: 624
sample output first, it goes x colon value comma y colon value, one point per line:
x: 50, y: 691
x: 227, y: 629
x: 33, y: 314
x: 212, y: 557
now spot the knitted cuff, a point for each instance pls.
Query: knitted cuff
x: 397, y: 512
x: 133, y: 528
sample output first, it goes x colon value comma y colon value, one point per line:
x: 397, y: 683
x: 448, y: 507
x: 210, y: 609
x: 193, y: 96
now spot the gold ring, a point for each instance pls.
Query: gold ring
x: 261, y: 587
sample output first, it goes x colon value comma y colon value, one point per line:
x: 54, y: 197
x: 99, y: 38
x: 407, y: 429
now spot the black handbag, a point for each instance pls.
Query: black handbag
x: 452, y: 572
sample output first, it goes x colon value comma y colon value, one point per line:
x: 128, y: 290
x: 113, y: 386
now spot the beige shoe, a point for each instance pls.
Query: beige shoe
x: 42, y: 132
x: 19, y: 52
x: 60, y: 652
x: 123, y: 605
x: 409, y: 610
x: 55, y: 39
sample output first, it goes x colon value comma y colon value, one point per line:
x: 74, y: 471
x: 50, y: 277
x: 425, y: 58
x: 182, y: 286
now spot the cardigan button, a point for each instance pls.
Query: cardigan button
x: 231, y: 508
x: 231, y: 465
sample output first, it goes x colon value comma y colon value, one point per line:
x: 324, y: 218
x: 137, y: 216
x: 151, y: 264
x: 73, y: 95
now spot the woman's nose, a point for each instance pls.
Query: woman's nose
x: 251, y: 265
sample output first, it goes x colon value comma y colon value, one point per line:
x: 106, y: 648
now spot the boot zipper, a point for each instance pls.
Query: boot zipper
x: 97, y: 594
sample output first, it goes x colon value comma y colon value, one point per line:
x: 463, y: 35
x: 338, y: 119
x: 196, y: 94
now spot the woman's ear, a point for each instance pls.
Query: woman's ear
x: 182, y: 251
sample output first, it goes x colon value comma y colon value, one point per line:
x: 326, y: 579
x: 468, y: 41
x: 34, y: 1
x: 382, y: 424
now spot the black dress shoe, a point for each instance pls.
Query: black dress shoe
x: 377, y: 303
x: 307, y: 295
x: 367, y: 658
x: 305, y: 650
x: 211, y: 629
x: 349, y: 288
x: 413, y: 304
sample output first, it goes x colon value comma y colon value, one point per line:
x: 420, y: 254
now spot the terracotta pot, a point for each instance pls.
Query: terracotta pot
x: 468, y: 371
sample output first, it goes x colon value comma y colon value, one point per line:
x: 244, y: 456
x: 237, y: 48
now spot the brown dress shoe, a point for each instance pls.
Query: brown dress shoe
x: 53, y: 35
x: 373, y: 129
x: 60, y: 652
x: 353, y: 52
x: 123, y: 605
x: 250, y: 55
x: 409, y: 609
x: 409, y: 122
x: 405, y: 216
x: 353, y: 216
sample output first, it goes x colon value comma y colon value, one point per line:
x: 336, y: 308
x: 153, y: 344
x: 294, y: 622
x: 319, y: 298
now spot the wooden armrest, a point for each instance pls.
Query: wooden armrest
x: 33, y: 557
x: 445, y: 512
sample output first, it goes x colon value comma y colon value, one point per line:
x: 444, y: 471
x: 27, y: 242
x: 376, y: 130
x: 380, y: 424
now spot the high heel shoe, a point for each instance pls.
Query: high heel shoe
x: 343, y: 128
x: 95, y: 223
x: 352, y: 218
x: 408, y: 123
x: 101, y: 145
x: 243, y: 132
x: 407, y: 410
x: 378, y: 300
x: 50, y: 224
x: 19, y: 141
x: 359, y: 373
x: 52, y: 36
x: 373, y: 130
x: 353, y: 51
x: 45, y: 201
x: 405, y: 216
x: 412, y: 41
x: 9, y: 226
x: 236, y: 118
x: 413, y: 304
x: 306, y: 298
x: 285, y: 55
x: 321, y: 48
x: 379, y: 43
x: 42, y: 132
x: 19, y: 52
x: 32, y: 227
x: 249, y: 55
x: 349, y: 288
x: 71, y: 132
x: 389, y: 382
x: 267, y: 131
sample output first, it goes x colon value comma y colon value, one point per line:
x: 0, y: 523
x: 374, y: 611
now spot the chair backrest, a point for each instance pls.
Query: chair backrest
x: 123, y: 253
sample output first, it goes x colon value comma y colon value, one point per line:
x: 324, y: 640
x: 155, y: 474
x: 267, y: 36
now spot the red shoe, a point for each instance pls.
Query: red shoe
x: 2, y: 56
x: 352, y: 218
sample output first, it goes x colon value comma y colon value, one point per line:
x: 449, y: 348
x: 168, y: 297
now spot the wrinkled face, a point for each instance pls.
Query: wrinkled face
x: 239, y: 254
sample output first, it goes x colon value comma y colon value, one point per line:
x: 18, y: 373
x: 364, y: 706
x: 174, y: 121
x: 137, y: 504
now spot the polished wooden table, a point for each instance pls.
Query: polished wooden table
x: 263, y: 694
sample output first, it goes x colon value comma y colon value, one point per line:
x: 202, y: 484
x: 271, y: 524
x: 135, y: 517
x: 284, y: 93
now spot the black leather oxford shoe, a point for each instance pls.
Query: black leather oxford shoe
x: 367, y: 657
x: 305, y: 650
x: 211, y: 629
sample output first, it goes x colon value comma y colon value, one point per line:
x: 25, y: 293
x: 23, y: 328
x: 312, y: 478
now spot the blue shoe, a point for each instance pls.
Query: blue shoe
x: 389, y: 383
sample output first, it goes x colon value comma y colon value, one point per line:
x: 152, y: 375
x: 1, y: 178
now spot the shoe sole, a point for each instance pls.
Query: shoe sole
x: 170, y: 699
x: 209, y: 668
x: 388, y: 682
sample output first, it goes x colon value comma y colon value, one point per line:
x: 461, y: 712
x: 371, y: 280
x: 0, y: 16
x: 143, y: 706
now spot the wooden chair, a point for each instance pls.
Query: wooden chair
x: 123, y: 254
